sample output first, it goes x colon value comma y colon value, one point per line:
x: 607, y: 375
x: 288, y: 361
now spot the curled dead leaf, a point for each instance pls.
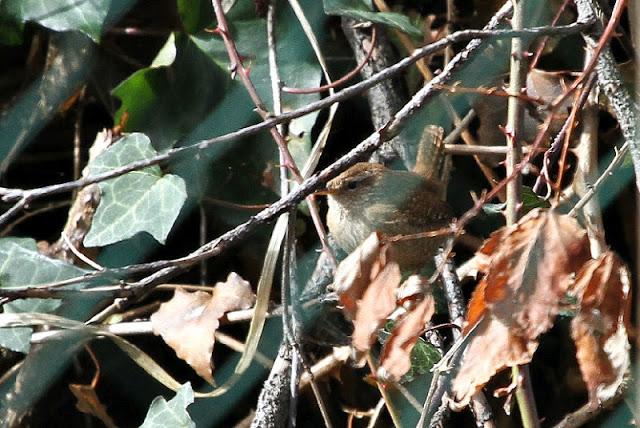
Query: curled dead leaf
x: 395, y: 360
x: 377, y: 303
x: 599, y: 330
x: 355, y: 273
x: 366, y: 283
x: 188, y: 321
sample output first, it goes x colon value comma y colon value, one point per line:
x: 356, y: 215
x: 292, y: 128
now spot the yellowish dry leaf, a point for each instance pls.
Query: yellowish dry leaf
x: 188, y: 321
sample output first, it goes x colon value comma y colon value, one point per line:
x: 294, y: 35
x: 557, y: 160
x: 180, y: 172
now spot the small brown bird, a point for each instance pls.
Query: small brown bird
x: 369, y: 197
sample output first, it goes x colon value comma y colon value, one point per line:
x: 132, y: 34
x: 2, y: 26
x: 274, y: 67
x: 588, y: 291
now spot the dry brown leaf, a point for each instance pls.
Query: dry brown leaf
x: 377, y: 303
x: 366, y: 283
x: 493, y: 347
x: 599, y: 329
x: 188, y: 321
x: 395, y: 360
x: 530, y: 270
x: 354, y: 273
x: 88, y: 402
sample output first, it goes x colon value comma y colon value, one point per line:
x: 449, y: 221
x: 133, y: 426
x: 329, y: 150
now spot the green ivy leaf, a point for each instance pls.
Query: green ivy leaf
x: 531, y: 200
x: 362, y: 10
x: 494, y: 209
x: 140, y: 201
x: 174, y: 94
x: 172, y: 413
x: 423, y: 355
x: 10, y: 27
x: 87, y: 16
x: 21, y: 264
x: 195, y: 14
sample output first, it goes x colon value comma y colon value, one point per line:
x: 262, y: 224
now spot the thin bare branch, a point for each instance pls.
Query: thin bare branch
x: 23, y: 197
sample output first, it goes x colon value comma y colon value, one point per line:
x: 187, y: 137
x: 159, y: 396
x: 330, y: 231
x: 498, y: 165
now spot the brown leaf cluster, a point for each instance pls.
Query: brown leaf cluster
x: 528, y: 269
x: 367, y: 283
x: 188, y: 321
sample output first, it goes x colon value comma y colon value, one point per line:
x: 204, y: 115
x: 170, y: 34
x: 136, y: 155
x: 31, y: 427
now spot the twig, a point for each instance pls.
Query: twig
x: 28, y: 214
x: 146, y: 327
x: 273, y: 402
x: 587, y: 412
x: 77, y: 134
x: 515, y: 122
x: 78, y: 254
x: 554, y: 151
x: 377, y: 411
x: 344, y: 79
x: 286, y: 160
x: 587, y: 169
x: 617, y: 160
x: 544, y: 40
x: 455, y: 302
x: 427, y: 75
x: 586, y: 12
x: 338, y: 357
x: 458, y: 149
x: 233, y: 205
x: 515, y: 119
x: 385, y: 99
x: 610, y: 81
x: 202, y: 239
x: 236, y: 345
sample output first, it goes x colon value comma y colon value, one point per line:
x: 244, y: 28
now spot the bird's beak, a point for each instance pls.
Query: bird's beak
x: 324, y: 192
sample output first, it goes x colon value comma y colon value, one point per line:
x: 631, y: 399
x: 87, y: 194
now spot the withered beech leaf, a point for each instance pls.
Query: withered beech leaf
x: 529, y: 271
x: 493, y: 347
x: 395, y: 360
x: 354, y: 273
x: 366, y: 283
x: 188, y: 321
x: 599, y: 331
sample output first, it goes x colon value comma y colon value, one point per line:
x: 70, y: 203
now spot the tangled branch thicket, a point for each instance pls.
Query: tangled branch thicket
x: 538, y: 97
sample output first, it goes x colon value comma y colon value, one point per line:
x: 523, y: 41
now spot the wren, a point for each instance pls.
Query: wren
x: 369, y: 197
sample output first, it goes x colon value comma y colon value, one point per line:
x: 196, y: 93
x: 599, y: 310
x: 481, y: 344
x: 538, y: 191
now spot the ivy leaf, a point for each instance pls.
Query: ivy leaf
x: 140, y: 201
x: 21, y: 264
x: 172, y: 413
x: 61, y: 15
x: 361, y: 10
x: 195, y: 14
x: 423, y: 355
x: 169, y: 98
x: 531, y: 200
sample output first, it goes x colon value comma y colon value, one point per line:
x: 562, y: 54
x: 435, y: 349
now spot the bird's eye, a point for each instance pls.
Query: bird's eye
x: 352, y: 185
